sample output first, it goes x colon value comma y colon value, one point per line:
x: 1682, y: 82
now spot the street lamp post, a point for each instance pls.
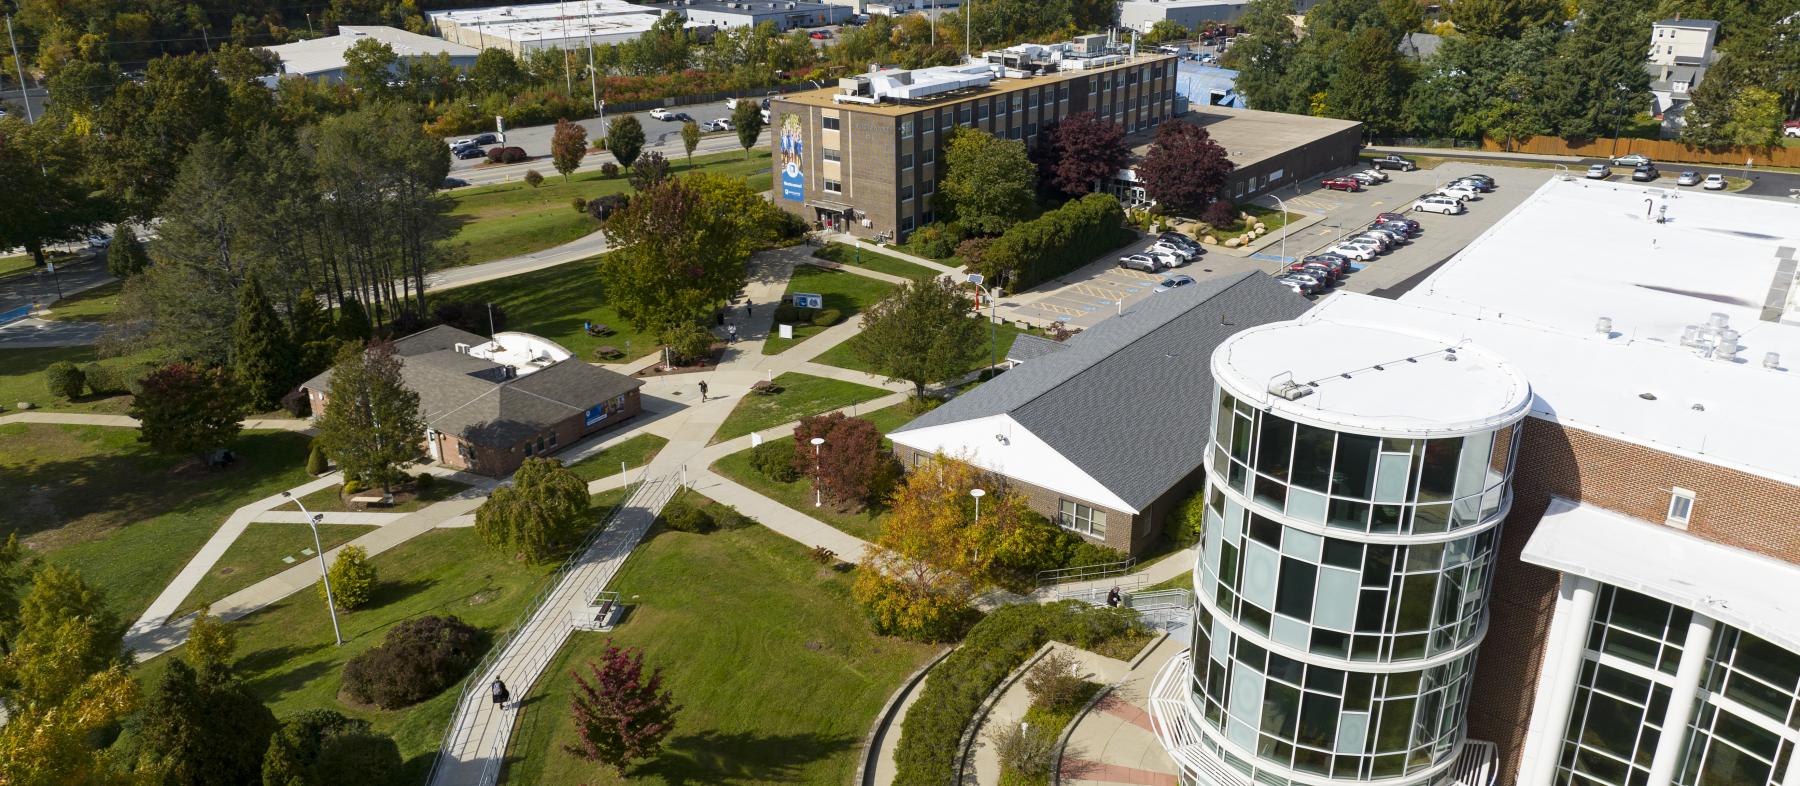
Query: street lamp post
x: 312, y: 520
x: 818, y: 486
x: 977, y: 494
x: 1284, y: 220
x: 993, y: 318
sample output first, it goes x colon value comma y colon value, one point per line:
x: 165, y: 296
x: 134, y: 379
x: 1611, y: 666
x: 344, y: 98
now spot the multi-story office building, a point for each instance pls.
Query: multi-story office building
x: 1535, y: 522
x: 864, y: 156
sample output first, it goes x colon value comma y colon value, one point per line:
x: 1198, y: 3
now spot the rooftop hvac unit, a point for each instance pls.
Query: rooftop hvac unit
x: 462, y: 348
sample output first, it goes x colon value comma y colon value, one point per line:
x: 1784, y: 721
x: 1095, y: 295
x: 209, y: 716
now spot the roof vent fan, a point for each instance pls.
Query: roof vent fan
x: 1772, y: 360
x: 1603, y: 325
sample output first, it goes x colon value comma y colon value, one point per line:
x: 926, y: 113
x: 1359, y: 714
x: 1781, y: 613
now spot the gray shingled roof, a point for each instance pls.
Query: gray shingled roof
x: 1128, y: 400
x: 1028, y: 347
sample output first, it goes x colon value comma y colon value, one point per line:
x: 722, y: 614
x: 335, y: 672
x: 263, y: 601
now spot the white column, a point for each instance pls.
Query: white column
x: 1557, y: 676
x: 1681, y: 700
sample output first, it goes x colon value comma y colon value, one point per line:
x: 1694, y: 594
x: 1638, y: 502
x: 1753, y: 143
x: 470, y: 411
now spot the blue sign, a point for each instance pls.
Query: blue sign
x: 596, y: 413
x: 793, y: 145
x: 803, y: 300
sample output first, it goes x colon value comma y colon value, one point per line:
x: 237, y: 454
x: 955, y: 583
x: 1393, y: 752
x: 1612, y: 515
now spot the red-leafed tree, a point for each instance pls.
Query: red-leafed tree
x: 1184, y: 169
x: 620, y: 713
x: 568, y: 145
x: 187, y: 409
x: 847, y: 465
x: 1089, y: 151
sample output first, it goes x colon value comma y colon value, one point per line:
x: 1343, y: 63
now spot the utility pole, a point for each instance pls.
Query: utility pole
x: 968, y: 8
x: 588, y: 40
x: 20, y: 65
x: 568, y: 76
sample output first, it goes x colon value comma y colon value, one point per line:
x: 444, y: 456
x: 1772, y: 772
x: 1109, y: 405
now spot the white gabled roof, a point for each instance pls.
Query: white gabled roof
x: 1016, y: 454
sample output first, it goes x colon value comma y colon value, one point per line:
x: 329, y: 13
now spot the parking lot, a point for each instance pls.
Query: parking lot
x: 1101, y: 289
x: 536, y: 139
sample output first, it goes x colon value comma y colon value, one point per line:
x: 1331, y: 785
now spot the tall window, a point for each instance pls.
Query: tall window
x: 1083, y: 519
x: 906, y: 161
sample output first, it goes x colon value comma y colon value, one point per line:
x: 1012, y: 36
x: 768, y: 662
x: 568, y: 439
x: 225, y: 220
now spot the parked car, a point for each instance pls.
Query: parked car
x: 1338, y: 261
x: 1401, y: 217
x: 454, y: 182
x: 819, y: 35
x: 461, y: 143
x: 1714, y: 182
x: 1166, y: 259
x: 1173, y: 282
x: 1599, y: 172
x: 1377, y: 174
x: 1391, y: 161
x: 1315, y: 269
x: 1381, y: 240
x: 1341, y: 184
x: 1645, y: 173
x: 1364, y: 178
x: 1479, y: 176
x: 1458, y: 190
x: 1172, y: 249
x: 1395, y: 237
x: 1404, y: 232
x: 471, y: 151
x: 1443, y: 205
x: 1312, y: 284
x: 1631, y: 159
x: 488, y: 139
x: 765, y: 115
x: 99, y: 240
x: 1140, y: 262
x: 1358, y: 252
x: 660, y: 113
x: 1182, y: 240
x: 1296, y: 286
x: 731, y: 103
x: 1476, y: 183
x: 1688, y: 178
x: 1792, y: 128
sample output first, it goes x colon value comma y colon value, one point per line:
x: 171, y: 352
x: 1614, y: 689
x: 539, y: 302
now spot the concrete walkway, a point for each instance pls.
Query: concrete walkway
x: 364, y: 518
x: 122, y: 421
x: 1113, y: 742
x: 1010, y: 709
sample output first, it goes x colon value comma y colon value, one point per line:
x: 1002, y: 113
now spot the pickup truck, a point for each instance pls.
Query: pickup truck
x: 1391, y: 161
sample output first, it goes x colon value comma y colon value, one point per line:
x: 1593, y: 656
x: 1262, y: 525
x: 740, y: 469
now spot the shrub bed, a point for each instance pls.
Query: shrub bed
x: 1058, y: 241
x: 417, y: 660
x: 930, y: 736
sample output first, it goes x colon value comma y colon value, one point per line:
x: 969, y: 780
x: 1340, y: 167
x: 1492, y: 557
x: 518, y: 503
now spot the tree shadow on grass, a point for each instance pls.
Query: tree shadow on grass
x: 741, y: 757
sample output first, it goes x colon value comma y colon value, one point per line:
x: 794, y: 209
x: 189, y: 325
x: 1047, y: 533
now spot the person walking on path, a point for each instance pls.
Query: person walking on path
x: 731, y: 332
x: 501, y: 696
x: 703, y: 390
x: 749, y: 307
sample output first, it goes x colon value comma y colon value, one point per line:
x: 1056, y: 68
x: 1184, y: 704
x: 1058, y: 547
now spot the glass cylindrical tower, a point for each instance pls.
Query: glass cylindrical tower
x: 1355, y: 486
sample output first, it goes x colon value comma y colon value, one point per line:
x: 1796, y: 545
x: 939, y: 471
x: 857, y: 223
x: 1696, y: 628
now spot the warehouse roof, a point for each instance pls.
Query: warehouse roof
x: 323, y: 55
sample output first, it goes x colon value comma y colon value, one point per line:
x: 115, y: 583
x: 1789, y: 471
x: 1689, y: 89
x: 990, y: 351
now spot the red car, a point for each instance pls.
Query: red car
x: 1341, y: 184
x: 820, y: 34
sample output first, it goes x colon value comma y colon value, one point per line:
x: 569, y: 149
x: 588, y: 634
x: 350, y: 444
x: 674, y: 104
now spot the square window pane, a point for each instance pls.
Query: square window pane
x: 1308, y: 506
x: 1353, y: 474
x: 1301, y: 544
x: 1274, y: 446
x: 1345, y: 514
x: 1392, y: 477
x: 1295, y: 596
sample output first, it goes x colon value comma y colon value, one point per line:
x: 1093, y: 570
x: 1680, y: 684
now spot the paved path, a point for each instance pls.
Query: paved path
x: 365, y: 518
x: 122, y: 421
x: 1113, y: 742
x: 1013, y: 703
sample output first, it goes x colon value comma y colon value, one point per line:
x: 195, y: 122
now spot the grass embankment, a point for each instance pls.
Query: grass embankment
x: 801, y: 395
x: 96, y: 499
x: 554, y: 302
x: 846, y: 292
x: 634, y: 453
x: 286, y: 656
x: 508, y: 219
x: 776, y: 671
x: 996, y: 340
x: 22, y: 378
x: 854, y: 256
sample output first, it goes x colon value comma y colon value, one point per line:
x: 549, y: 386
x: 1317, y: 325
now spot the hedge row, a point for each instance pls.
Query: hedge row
x: 932, y: 732
x: 1060, y: 240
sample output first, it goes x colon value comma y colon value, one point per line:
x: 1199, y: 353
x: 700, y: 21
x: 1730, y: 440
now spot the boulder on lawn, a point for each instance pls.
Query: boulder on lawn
x: 1209, y: 240
x: 26, y: 405
x: 1259, y: 226
x: 1234, y: 242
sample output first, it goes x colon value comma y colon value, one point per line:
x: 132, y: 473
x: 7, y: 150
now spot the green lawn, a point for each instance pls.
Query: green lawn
x: 285, y: 652
x: 994, y: 346
x: 94, y: 305
x: 776, y: 671
x: 1184, y: 581
x: 553, y: 303
x: 14, y: 264
x: 849, y: 293
x: 635, y: 452
x: 801, y: 395
x: 509, y: 219
x: 259, y: 552
x: 331, y: 499
x: 865, y: 524
x: 95, y: 499
x: 22, y: 378
x: 878, y: 262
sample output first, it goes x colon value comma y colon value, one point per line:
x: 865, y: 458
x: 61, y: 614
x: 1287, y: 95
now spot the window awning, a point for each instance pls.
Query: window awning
x: 1746, y: 590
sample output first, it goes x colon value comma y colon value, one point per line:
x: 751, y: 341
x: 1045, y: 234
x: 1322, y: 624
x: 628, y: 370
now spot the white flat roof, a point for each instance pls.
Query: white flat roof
x: 1533, y: 287
x: 1749, y: 591
x: 552, y: 22
x: 319, y: 55
x: 1371, y: 378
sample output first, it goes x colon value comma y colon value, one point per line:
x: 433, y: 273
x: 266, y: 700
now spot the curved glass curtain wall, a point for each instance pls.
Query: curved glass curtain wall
x: 1344, y: 547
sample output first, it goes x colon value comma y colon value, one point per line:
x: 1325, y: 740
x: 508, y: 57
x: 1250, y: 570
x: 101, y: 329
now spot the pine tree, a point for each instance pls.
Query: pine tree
x: 311, y: 332
x: 620, y: 713
x: 126, y: 256
x: 353, y: 322
x: 262, y: 350
x: 370, y: 427
x: 323, y: 748
x: 205, y: 728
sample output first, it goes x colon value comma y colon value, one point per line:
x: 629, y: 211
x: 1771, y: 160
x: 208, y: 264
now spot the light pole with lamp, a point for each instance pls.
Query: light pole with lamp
x: 818, y: 485
x: 312, y: 520
x: 977, y: 494
x: 1284, y: 220
x: 993, y: 318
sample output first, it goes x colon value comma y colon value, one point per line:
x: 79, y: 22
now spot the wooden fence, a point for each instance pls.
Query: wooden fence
x: 1656, y: 149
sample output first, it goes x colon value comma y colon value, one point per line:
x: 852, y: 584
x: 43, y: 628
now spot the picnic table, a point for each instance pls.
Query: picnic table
x: 597, y: 329
x: 607, y: 351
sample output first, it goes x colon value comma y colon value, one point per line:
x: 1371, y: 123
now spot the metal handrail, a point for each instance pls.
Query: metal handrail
x: 519, y: 622
x: 1084, y: 572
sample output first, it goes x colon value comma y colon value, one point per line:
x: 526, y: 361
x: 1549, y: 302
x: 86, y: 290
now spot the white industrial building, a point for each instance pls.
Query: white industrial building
x: 523, y: 28
x: 323, y: 58
x: 783, y: 14
x: 1141, y: 15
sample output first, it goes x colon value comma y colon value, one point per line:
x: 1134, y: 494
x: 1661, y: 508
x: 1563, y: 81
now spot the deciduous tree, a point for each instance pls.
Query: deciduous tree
x: 184, y: 409
x: 353, y: 579
x: 45, y: 200
x: 987, y: 182
x: 205, y: 728
x: 651, y: 168
x: 922, y: 333
x: 568, y: 145
x: 1755, y: 118
x: 846, y: 467
x: 679, y: 248
x: 1264, y: 54
x: 369, y: 66
x: 1090, y: 151
x: 211, y: 642
x: 690, y: 139
x: 1184, y: 168
x: 539, y: 516
x: 51, y: 745
x: 263, y: 354
x: 1370, y: 81
x: 625, y: 139
x: 371, y: 426
x: 321, y: 747
x: 747, y: 120
x: 621, y: 711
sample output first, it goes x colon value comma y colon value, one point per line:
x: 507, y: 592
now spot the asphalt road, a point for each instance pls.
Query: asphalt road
x: 1762, y: 182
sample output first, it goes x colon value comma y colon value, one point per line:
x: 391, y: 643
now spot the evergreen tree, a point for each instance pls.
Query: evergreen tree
x: 353, y: 322
x: 205, y: 728
x: 370, y: 427
x: 310, y: 332
x: 1370, y: 82
x: 625, y: 139
x: 262, y: 350
x: 323, y: 748
x: 1600, y: 83
x: 1262, y: 56
x: 126, y: 256
x: 1505, y: 18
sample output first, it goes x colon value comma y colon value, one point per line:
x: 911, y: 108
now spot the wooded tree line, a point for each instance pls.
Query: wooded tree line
x: 1510, y: 69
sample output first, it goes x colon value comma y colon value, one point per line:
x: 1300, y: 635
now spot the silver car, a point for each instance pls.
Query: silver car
x: 1599, y: 172
x: 1140, y: 262
x: 1688, y: 179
